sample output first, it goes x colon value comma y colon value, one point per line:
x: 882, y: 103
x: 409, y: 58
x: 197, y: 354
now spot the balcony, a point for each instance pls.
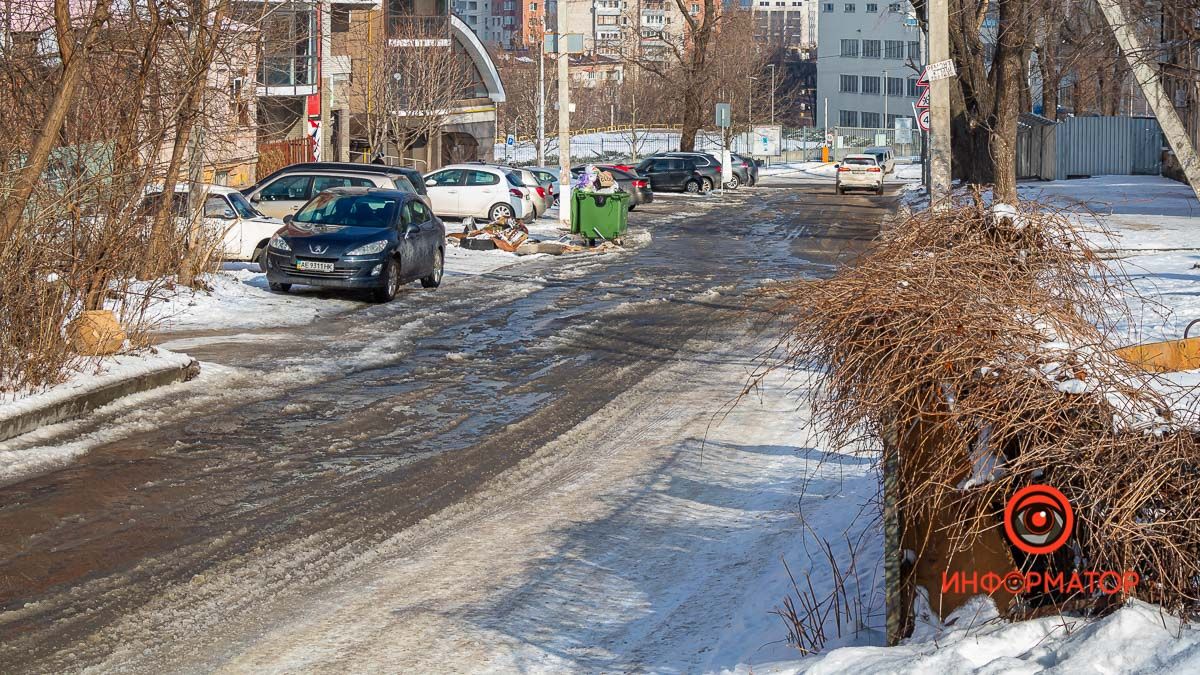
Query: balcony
x: 287, y: 75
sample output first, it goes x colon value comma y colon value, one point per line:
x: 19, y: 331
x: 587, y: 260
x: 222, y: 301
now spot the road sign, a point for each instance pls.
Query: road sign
x: 923, y: 101
x: 923, y: 120
x: 510, y: 140
x: 724, y: 115
x: 904, y: 130
x: 941, y: 70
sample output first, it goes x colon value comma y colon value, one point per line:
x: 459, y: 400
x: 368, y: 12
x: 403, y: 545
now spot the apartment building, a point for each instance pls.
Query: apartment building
x: 786, y: 24
x: 868, y: 62
x: 508, y: 24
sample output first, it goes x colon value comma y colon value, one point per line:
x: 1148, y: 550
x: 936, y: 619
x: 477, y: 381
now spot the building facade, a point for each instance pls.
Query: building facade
x: 786, y: 24
x: 869, y: 56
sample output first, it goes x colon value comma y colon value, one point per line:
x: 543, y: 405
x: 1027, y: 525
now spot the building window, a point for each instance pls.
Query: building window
x: 533, y: 6
x: 871, y: 49
x: 894, y: 7
x: 914, y: 52
x: 912, y: 87
x: 827, y: 7
x: 849, y: 7
x: 870, y: 120
x: 870, y: 84
x: 893, y: 49
x: 850, y: 84
x: 872, y: 8
x: 848, y: 118
x: 850, y: 48
x: 895, y: 86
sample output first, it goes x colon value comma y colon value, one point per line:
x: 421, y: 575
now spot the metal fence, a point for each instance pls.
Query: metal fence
x: 1088, y: 146
x: 854, y: 140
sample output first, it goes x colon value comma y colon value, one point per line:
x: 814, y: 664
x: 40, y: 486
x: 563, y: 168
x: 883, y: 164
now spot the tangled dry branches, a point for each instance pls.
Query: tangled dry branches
x: 992, y: 336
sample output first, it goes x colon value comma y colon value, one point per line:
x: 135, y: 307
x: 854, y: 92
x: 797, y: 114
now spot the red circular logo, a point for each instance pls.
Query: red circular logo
x: 1038, y: 519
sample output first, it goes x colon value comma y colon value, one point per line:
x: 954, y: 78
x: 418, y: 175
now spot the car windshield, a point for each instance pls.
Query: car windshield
x: 351, y: 210
x: 243, y: 207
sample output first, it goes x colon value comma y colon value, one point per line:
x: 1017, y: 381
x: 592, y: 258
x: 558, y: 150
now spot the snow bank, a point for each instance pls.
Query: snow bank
x: 1138, y: 638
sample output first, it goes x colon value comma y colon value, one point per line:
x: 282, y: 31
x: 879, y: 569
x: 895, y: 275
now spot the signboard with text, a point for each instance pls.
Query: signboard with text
x: 767, y: 140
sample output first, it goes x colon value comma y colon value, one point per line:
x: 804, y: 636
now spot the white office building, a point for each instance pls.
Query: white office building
x: 868, y: 61
x: 791, y: 24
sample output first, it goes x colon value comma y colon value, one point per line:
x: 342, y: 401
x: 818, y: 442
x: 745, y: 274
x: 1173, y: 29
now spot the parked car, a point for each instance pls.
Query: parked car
x: 286, y: 190
x: 548, y: 177
x: 478, y: 191
x: 629, y: 181
x: 859, y: 172
x: 708, y: 166
x: 672, y: 173
x: 244, y: 231
x: 884, y: 156
x: 538, y: 194
x: 359, y: 238
x: 750, y: 165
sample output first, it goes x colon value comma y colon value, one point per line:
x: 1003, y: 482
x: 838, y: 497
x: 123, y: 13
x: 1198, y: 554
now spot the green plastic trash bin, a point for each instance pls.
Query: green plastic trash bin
x: 599, y: 216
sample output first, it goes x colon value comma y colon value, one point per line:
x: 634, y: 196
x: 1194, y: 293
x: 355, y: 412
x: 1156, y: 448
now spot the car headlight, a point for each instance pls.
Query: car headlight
x: 277, y: 242
x: 369, y: 249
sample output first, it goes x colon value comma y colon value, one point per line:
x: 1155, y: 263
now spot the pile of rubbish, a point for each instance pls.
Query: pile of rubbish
x: 512, y: 236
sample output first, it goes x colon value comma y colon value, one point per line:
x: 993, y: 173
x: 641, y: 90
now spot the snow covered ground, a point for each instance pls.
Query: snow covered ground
x: 92, y: 375
x: 240, y: 299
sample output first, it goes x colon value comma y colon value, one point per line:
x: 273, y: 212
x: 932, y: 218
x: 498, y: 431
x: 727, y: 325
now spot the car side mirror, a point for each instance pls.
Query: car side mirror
x: 411, y: 229
x: 430, y: 183
x: 287, y: 220
x: 229, y: 214
x: 837, y: 166
x: 254, y: 199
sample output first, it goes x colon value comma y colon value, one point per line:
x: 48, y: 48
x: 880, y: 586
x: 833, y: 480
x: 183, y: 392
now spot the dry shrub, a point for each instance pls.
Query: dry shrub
x: 994, y: 336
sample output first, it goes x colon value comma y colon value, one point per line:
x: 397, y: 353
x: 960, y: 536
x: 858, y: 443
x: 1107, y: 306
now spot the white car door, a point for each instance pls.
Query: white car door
x: 445, y: 190
x: 483, y: 190
x: 222, y: 220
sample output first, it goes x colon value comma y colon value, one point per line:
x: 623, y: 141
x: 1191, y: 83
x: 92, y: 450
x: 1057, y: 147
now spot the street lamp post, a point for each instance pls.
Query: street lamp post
x: 883, y: 122
x: 750, y: 118
x: 772, y: 67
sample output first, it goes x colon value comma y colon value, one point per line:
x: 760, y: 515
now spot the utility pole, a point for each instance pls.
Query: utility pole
x: 939, y: 108
x: 564, y: 115
x: 1148, y: 78
x: 750, y: 116
x: 541, y: 101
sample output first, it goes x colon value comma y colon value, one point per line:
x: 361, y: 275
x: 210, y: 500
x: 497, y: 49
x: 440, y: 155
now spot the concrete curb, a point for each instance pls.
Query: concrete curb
x: 77, y: 406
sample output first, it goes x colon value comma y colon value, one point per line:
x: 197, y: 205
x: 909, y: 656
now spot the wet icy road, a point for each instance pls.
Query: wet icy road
x: 339, y: 435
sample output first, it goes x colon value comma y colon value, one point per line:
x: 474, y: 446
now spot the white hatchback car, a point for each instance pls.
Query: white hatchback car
x: 859, y: 172
x: 244, y: 231
x: 478, y: 191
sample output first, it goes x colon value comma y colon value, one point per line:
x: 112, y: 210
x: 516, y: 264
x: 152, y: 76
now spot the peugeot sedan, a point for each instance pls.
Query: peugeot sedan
x: 359, y: 238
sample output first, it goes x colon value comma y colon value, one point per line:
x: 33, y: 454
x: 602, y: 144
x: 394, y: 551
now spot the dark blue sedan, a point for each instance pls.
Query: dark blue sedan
x: 359, y: 238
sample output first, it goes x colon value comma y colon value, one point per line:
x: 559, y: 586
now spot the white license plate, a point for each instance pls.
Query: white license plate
x: 858, y: 170
x: 313, y: 266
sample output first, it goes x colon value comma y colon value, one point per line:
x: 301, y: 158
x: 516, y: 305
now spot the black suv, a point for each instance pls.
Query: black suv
x: 672, y: 173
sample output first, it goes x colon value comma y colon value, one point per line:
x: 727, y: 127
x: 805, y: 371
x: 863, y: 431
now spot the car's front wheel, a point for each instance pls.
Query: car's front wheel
x: 434, y: 278
x: 260, y: 256
x: 391, y: 282
x: 692, y: 186
x: 734, y: 183
x: 279, y: 288
x: 500, y: 211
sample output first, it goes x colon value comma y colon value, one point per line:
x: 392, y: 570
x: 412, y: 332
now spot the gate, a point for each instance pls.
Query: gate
x: 1098, y: 146
x: 276, y: 155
